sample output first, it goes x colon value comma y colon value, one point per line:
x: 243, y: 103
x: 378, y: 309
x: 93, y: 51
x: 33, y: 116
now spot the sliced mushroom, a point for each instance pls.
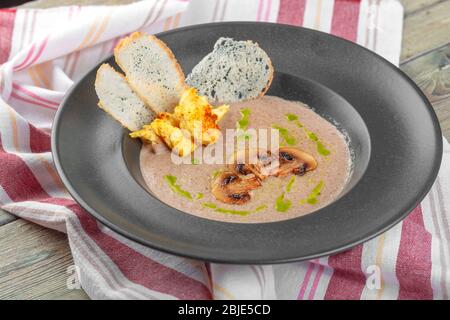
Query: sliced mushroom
x: 258, y: 162
x: 268, y: 163
x: 296, y: 161
x: 255, y: 165
x: 228, y: 187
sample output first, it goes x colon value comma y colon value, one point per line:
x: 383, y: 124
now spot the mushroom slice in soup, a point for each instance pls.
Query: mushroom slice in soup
x: 260, y: 162
x: 249, y: 167
x: 229, y: 187
x: 263, y: 163
x: 296, y: 161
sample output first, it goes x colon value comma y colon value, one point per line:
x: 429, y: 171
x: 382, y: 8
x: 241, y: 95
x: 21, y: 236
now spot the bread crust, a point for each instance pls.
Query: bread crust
x: 198, y: 72
x: 101, y: 104
x: 123, y: 43
x: 270, y: 78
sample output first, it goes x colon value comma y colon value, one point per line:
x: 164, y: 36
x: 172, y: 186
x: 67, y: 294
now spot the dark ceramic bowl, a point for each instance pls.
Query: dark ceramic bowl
x: 393, y: 130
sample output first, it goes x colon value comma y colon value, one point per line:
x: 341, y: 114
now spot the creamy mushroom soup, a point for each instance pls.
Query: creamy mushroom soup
x: 188, y: 187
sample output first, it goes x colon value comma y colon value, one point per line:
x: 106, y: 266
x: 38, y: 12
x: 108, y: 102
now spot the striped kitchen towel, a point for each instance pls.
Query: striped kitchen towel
x: 43, y: 52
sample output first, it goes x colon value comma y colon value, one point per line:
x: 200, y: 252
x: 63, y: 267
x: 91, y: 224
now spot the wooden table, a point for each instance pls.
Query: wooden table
x: 34, y: 260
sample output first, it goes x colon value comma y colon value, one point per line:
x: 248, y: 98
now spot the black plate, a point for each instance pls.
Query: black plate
x: 393, y: 129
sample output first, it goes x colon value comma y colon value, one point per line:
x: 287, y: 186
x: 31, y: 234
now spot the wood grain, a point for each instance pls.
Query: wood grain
x: 34, y: 260
x: 426, y: 29
x: 6, y: 217
x: 413, y: 6
x: 34, y: 263
x: 431, y: 72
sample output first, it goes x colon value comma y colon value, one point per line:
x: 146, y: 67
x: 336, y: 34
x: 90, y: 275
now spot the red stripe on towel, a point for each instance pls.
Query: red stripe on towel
x: 27, y: 63
x: 316, y: 282
x: 414, y: 259
x: 7, y: 17
x: 39, y: 140
x: 17, y: 179
x: 348, y: 280
x: 33, y: 95
x: 32, y: 102
x: 291, y: 12
x: 305, y: 282
x: 27, y: 57
x: 345, y: 19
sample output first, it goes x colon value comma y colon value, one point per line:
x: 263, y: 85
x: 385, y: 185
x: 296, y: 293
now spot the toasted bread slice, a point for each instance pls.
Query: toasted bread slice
x: 119, y: 100
x: 234, y: 71
x: 151, y: 70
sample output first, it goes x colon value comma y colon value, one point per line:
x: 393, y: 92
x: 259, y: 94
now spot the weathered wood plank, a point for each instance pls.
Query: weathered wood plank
x: 414, y: 6
x: 6, y: 217
x: 426, y: 29
x: 432, y: 74
x: 34, y: 263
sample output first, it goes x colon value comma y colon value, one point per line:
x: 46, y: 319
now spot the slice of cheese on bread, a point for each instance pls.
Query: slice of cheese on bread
x: 151, y: 70
x: 118, y: 99
x: 234, y: 71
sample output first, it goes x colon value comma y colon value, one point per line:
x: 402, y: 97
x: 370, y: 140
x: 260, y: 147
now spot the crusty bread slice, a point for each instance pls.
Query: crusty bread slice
x: 234, y: 71
x: 119, y: 100
x: 151, y: 70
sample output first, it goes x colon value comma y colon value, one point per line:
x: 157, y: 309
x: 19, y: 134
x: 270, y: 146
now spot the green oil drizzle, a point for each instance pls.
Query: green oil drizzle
x: 199, y: 196
x: 260, y: 208
x: 312, y: 136
x: 321, y: 149
x: 230, y: 211
x: 312, y: 197
x: 210, y: 205
x: 172, y: 181
x: 291, y: 116
x: 242, y: 124
x: 290, y: 140
x: 290, y: 184
x: 282, y: 204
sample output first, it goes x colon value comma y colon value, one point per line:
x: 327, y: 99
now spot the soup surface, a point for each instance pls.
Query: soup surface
x: 187, y: 186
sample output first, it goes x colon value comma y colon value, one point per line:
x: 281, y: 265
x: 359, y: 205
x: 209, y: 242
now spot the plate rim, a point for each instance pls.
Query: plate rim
x: 78, y: 199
